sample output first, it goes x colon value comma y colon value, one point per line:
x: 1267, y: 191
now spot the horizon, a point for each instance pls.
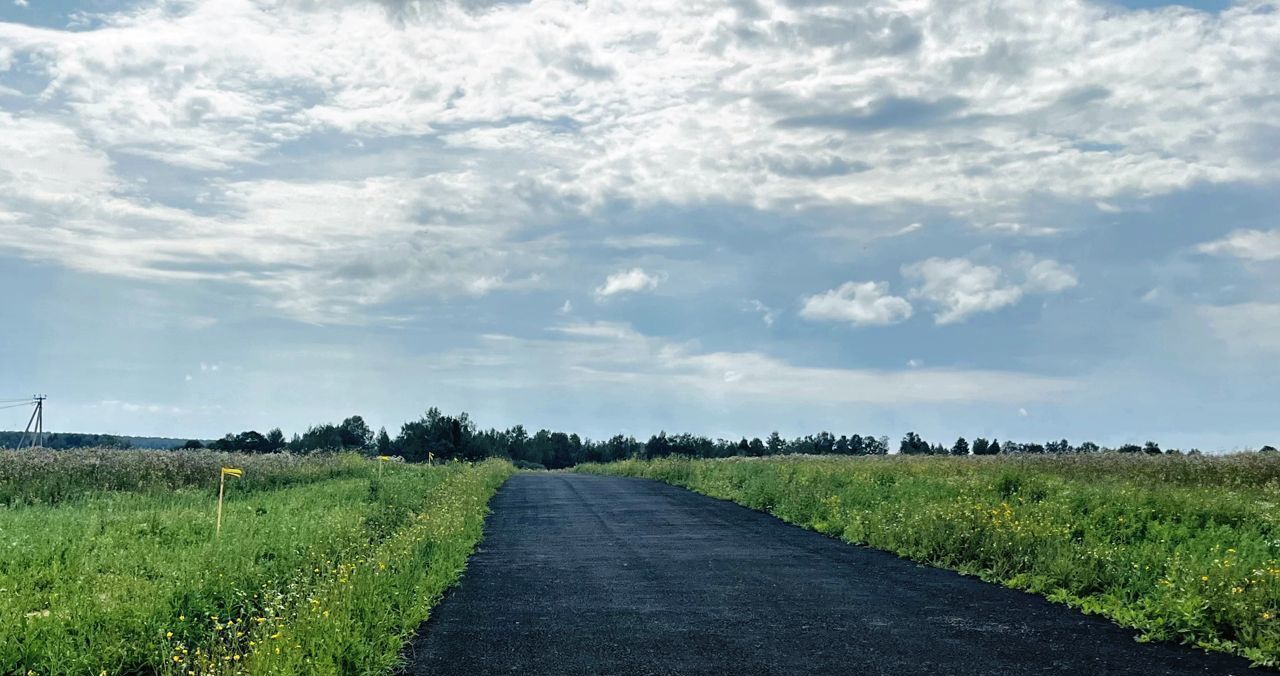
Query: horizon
x: 1006, y: 221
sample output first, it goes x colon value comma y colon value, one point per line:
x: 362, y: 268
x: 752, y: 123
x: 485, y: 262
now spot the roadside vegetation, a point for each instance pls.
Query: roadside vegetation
x: 440, y: 436
x: 325, y: 564
x: 1185, y: 548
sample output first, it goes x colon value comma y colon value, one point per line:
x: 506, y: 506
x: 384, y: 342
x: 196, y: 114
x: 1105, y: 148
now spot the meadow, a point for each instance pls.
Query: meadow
x: 1184, y: 548
x: 327, y: 564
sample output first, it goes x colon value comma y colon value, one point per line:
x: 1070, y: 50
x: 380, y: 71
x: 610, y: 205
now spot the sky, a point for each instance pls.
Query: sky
x: 1009, y: 219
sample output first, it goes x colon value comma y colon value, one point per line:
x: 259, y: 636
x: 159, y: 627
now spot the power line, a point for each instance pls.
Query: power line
x: 37, y: 419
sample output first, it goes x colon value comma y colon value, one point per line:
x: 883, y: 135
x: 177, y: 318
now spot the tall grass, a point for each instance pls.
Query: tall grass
x: 1183, y: 548
x: 323, y: 566
x: 42, y: 476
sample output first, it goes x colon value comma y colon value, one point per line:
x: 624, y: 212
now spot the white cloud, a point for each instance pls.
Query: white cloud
x: 914, y: 363
x: 534, y: 110
x: 1010, y: 228
x: 565, y: 309
x: 1049, y: 276
x: 860, y: 303
x: 767, y: 314
x: 1249, y: 245
x: 651, y: 241
x: 1247, y: 328
x: 604, y: 352
x: 961, y: 288
x: 1022, y: 413
x: 628, y: 281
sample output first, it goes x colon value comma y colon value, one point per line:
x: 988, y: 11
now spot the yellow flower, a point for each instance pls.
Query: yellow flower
x: 168, y: 634
x: 1204, y: 578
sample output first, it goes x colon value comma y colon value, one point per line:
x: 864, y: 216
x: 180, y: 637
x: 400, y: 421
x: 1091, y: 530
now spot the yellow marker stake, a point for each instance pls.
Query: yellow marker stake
x: 382, y: 459
x: 222, y: 484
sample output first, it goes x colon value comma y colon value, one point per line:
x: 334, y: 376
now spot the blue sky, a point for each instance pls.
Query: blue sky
x: 998, y: 219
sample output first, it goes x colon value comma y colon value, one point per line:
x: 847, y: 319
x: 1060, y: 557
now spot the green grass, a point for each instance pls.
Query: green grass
x: 1182, y: 548
x: 322, y: 565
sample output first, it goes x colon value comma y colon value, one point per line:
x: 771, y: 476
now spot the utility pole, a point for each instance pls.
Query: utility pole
x: 35, y: 425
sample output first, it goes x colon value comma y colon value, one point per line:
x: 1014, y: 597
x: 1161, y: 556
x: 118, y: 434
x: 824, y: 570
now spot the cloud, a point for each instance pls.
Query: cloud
x: 859, y: 303
x: 1250, y: 245
x: 767, y: 314
x: 885, y: 113
x: 615, y: 353
x: 1009, y: 228
x: 961, y: 288
x: 209, y: 141
x: 1247, y: 328
x: 628, y: 281
x: 1048, y: 276
x: 650, y: 241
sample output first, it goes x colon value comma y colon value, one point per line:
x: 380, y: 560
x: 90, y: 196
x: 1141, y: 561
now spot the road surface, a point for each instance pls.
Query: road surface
x: 582, y: 574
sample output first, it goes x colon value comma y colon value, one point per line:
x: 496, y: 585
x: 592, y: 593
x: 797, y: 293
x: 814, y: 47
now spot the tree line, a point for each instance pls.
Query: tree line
x: 440, y: 436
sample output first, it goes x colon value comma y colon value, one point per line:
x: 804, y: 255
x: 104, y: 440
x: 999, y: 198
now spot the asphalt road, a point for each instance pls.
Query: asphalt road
x: 598, y: 575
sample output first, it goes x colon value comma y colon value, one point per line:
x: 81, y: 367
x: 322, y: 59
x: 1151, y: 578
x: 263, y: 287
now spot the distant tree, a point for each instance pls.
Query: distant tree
x: 355, y: 433
x: 961, y: 447
x: 994, y: 448
x: 1061, y: 446
x: 981, y: 446
x: 193, y: 444
x: 876, y: 445
x: 912, y: 444
x: 275, y: 440
x: 1267, y: 449
x: 1088, y: 447
x: 1151, y: 448
x: 1130, y: 448
x: 383, y: 442
x: 658, y: 446
x: 757, y: 447
x: 775, y: 444
x: 250, y: 442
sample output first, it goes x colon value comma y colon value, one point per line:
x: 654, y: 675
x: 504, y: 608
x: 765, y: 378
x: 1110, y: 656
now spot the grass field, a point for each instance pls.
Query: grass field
x: 1182, y: 548
x: 109, y: 563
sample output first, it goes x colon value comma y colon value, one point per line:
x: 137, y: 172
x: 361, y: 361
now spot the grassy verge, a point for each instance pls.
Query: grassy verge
x: 325, y: 568
x: 1182, y: 548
